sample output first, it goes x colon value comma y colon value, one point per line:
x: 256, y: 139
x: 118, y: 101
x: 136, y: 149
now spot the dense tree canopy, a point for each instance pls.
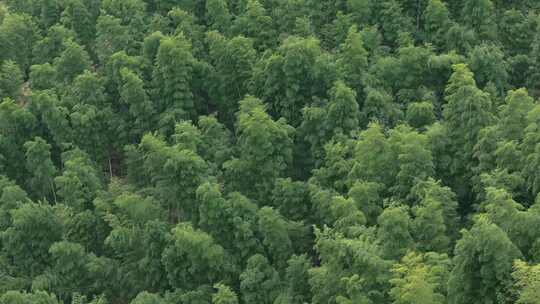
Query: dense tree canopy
x: 269, y: 151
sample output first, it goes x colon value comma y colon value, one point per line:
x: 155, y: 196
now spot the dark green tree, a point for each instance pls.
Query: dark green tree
x: 394, y: 225
x: 297, y: 289
x: 356, y: 274
x: 265, y: 150
x: 41, y: 167
x: 488, y: 65
x: 218, y: 16
x: 141, y: 110
x: 367, y: 198
x: 289, y: 79
x: 16, y: 127
x: 175, y: 172
x: 11, y: 81
x: 353, y: 61
x: 26, y: 242
x: 254, y: 22
x: 80, y: 181
x: 72, y: 61
x: 420, y: 114
x: 18, y: 35
x: 343, y: 112
x: 78, y: 17
x: 393, y: 21
x: 216, y: 144
x: 91, y: 114
x: 231, y: 221
x: 42, y: 76
x: 193, y: 258
x: 53, y: 114
x: 291, y: 198
x: 429, y: 227
x: 513, y: 114
x: 482, y: 265
x: 430, y: 194
x: 111, y: 37
x: 413, y: 155
x: 260, y: 282
x: 480, y: 16
x: 436, y: 22
x: 374, y: 159
x: 273, y: 229
x: 172, y: 77
x: 50, y: 12
x: 467, y: 111
x: 52, y: 45
x: 233, y: 61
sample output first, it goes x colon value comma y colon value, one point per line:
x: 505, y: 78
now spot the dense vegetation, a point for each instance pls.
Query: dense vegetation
x: 269, y: 151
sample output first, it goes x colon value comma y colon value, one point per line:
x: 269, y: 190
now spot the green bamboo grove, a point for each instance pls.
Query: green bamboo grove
x: 269, y: 152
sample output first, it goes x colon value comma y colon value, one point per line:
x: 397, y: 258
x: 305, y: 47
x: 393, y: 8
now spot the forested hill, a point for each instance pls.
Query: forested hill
x: 269, y: 152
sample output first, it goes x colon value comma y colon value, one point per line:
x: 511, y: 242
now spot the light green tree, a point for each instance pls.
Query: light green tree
x: 416, y: 279
x: 224, y: 295
x: 527, y: 279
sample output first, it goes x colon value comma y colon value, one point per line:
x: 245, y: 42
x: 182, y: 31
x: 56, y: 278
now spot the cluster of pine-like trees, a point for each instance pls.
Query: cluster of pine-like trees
x: 269, y: 151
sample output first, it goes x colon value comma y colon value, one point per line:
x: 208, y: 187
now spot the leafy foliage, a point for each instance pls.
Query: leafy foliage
x: 269, y: 151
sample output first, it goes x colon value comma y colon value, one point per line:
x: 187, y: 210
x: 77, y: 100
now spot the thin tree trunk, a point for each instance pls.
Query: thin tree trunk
x: 418, y: 14
x: 110, y: 167
x: 53, y: 192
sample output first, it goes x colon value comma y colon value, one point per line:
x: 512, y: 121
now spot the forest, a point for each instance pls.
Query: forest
x: 269, y: 152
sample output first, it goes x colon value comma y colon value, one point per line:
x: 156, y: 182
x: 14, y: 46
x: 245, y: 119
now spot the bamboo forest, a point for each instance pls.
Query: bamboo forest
x: 269, y: 152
